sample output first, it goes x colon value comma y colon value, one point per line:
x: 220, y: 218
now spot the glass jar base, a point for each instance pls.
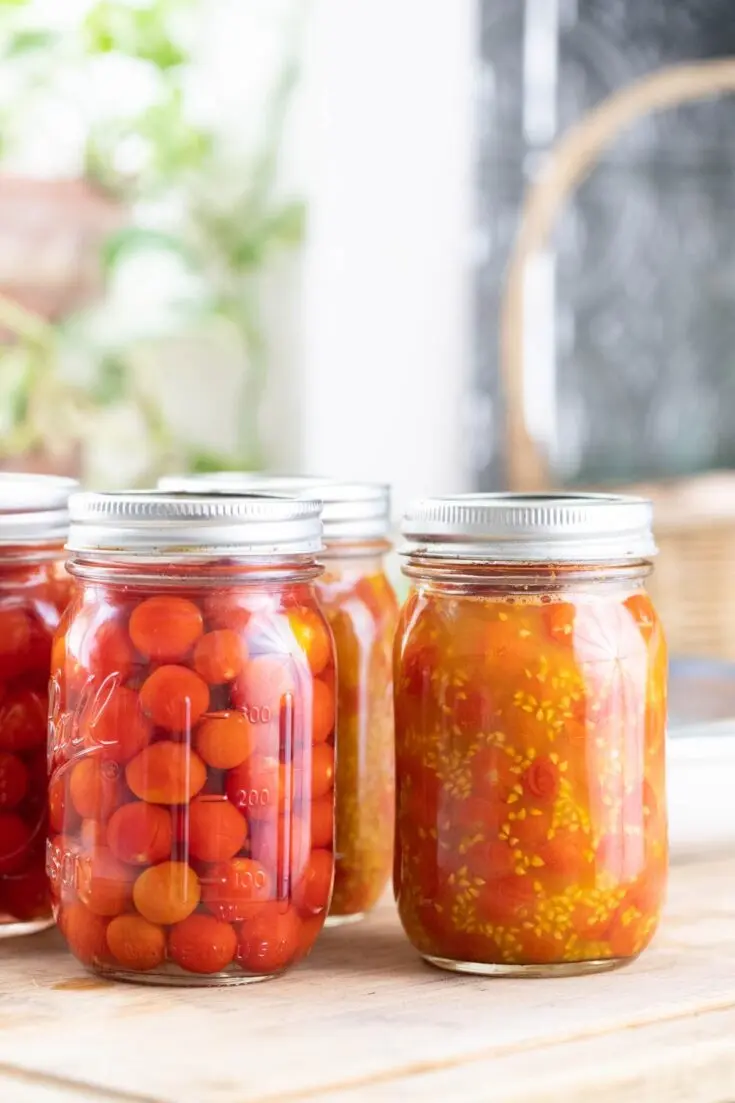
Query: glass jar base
x: 343, y: 920
x: 180, y: 979
x: 557, y: 969
x: 15, y: 928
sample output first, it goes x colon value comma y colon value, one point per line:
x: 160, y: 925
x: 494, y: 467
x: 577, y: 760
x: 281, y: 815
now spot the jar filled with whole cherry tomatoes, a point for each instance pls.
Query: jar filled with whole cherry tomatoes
x: 530, y: 693
x: 191, y: 737
x: 361, y: 607
x: 34, y: 591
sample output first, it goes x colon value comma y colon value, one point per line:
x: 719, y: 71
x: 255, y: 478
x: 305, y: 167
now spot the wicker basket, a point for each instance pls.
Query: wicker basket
x: 694, y: 583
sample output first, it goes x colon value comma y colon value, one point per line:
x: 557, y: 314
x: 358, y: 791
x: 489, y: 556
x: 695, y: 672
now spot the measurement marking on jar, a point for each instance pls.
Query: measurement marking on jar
x: 257, y: 714
x: 253, y: 798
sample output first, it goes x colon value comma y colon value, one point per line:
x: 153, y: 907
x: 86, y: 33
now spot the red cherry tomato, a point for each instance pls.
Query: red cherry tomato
x: 312, y: 636
x: 236, y: 890
x: 166, y: 773
x: 85, y: 933
x: 270, y: 941
x: 106, y: 650
x: 323, y: 711
x: 165, y: 628
x: 23, y: 721
x: 311, y: 927
x: 113, y: 722
x: 225, y: 739
x: 61, y: 811
x: 541, y: 780
x: 104, y: 884
x: 216, y: 829
x: 322, y: 770
x: 322, y: 822
x: 167, y: 893
x: 220, y: 656
x: 95, y: 788
x: 313, y: 892
x: 13, y: 780
x: 202, y: 944
x: 174, y: 698
x: 16, y: 641
x: 15, y: 843
x: 135, y: 943
x: 26, y: 895
x: 140, y: 834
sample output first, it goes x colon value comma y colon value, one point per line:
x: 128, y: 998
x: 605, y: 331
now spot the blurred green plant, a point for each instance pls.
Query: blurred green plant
x: 184, y: 194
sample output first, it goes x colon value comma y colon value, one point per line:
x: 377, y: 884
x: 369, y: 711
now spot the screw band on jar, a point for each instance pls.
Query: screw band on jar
x: 191, y: 736
x: 189, y: 526
x: 361, y: 608
x: 530, y: 528
x: 353, y: 513
x: 530, y: 724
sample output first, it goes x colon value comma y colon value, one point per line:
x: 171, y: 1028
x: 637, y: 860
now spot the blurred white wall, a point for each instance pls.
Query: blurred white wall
x: 386, y: 134
x: 369, y: 333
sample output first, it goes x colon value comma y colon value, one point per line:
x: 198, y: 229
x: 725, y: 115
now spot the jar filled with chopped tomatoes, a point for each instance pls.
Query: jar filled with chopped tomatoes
x: 361, y: 607
x: 530, y: 694
x: 191, y: 737
x: 34, y: 591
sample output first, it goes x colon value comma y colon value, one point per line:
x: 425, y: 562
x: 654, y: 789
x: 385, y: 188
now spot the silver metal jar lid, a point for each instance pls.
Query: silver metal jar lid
x: 517, y: 528
x: 148, y: 523
x: 34, y: 508
x: 352, y: 511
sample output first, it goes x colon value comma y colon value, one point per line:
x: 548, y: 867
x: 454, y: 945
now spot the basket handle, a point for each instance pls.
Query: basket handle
x: 570, y: 161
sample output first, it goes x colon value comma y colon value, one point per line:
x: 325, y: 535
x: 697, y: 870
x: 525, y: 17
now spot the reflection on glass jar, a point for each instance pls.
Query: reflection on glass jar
x: 530, y: 689
x: 361, y: 608
x: 34, y: 591
x: 191, y: 738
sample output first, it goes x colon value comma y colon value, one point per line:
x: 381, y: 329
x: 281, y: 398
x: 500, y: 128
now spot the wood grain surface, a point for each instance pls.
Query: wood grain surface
x: 365, y: 1019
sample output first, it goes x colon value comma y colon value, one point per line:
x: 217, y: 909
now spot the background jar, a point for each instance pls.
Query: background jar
x: 530, y: 692
x: 361, y: 607
x: 34, y: 590
x: 191, y: 736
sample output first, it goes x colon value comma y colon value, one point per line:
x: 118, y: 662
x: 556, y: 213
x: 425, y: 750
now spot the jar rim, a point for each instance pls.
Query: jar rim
x: 351, y: 510
x: 34, y: 508
x: 147, y: 523
x: 530, y: 528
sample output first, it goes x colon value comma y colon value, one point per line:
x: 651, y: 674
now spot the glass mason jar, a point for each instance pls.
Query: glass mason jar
x: 530, y: 693
x: 191, y: 737
x: 34, y: 590
x: 361, y: 607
